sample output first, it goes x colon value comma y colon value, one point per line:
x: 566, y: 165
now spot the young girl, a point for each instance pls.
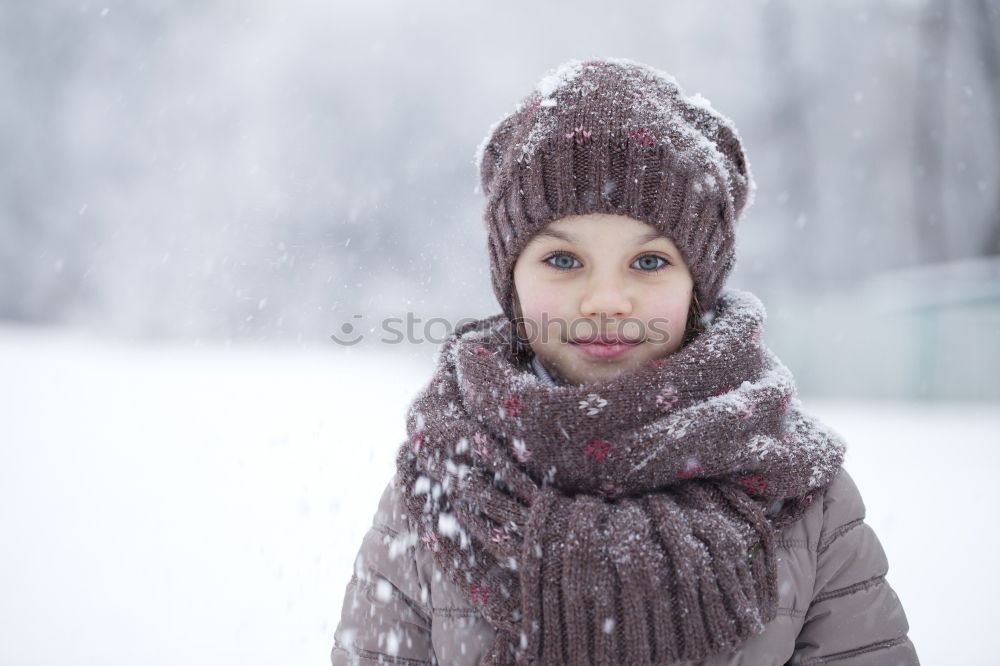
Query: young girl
x: 616, y: 469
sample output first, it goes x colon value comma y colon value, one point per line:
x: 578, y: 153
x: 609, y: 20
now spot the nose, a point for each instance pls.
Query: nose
x: 605, y: 296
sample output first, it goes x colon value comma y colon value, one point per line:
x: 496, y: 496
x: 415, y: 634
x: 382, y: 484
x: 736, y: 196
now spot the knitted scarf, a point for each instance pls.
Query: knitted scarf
x: 630, y: 520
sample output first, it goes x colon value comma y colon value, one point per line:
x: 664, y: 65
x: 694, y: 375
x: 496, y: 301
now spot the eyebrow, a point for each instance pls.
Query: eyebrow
x: 642, y: 239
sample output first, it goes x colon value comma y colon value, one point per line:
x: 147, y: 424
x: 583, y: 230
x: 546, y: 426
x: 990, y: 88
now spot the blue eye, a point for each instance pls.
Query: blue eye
x: 649, y: 263
x: 646, y: 266
x: 563, y: 261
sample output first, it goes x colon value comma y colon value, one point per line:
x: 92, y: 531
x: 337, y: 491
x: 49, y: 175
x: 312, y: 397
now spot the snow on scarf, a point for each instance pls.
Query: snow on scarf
x: 620, y: 521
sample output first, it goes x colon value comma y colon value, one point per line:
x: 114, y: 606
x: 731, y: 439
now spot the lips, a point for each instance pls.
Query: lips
x: 604, y: 346
x: 603, y: 350
x: 606, y: 339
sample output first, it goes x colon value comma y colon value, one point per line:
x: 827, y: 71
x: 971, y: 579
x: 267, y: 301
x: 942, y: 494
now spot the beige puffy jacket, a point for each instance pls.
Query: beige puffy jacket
x: 834, y: 604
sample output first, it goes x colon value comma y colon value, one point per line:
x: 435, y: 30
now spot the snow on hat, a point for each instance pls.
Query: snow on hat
x: 618, y: 137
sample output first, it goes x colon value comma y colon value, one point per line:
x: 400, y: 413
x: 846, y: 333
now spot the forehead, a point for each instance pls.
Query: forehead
x: 577, y: 228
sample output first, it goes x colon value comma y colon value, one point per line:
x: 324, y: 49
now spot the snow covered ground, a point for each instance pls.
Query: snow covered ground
x: 203, y: 505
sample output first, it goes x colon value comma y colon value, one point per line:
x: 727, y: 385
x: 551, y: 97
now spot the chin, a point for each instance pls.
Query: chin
x: 599, y: 372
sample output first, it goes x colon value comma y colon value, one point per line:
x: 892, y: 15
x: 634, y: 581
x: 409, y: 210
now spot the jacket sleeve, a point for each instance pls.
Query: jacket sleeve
x: 386, y: 612
x: 855, y: 617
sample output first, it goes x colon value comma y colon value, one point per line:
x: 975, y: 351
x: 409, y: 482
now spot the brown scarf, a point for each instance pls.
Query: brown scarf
x: 621, y: 521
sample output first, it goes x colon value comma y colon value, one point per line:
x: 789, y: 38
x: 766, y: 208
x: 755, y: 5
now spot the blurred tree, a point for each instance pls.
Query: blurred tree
x: 986, y: 38
x: 928, y: 126
x: 790, y: 127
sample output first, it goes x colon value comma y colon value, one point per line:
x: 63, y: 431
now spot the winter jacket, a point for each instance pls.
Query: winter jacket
x: 834, y: 603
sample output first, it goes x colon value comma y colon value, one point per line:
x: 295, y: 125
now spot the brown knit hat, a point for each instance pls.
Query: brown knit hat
x: 619, y: 137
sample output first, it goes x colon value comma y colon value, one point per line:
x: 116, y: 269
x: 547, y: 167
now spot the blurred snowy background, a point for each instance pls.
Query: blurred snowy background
x: 195, y: 196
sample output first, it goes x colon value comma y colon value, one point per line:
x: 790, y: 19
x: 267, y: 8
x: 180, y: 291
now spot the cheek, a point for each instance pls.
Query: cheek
x: 672, y: 307
x: 539, y: 301
x: 540, y: 309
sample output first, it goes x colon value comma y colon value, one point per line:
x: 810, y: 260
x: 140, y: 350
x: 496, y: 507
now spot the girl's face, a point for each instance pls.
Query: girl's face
x: 600, y: 295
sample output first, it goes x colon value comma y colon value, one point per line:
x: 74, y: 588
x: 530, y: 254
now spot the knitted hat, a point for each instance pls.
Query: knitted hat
x: 619, y: 137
